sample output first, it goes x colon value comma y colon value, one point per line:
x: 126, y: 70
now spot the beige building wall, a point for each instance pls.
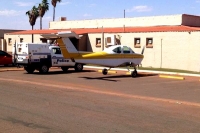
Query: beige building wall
x: 16, y: 38
x: 37, y: 39
x: 91, y: 43
x: 175, y: 50
x: 3, y: 45
x: 182, y: 19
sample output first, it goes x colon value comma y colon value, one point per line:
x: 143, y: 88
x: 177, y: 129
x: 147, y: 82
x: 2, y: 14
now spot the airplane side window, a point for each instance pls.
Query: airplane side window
x: 117, y: 50
x: 126, y: 50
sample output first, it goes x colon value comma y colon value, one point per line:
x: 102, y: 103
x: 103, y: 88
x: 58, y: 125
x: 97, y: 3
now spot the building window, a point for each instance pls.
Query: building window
x: 98, y: 42
x: 149, y: 42
x: 9, y: 40
x: 108, y: 39
x: 137, y: 43
x: 21, y: 39
x: 111, y: 40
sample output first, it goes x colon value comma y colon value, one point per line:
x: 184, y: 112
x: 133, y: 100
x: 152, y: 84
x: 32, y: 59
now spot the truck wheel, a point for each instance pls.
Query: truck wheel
x: 78, y: 67
x: 65, y: 69
x: 29, y: 69
x: 44, y: 69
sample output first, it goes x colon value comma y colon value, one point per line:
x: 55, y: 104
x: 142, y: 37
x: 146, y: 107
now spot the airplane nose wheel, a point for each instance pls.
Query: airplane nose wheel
x: 134, y: 74
x: 105, y: 71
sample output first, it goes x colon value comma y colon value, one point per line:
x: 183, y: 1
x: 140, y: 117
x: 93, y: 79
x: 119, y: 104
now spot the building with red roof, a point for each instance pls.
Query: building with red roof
x: 169, y: 40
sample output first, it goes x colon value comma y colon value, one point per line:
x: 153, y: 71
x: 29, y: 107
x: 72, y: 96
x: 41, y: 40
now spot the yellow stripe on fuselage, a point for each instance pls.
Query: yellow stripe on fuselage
x: 104, y: 55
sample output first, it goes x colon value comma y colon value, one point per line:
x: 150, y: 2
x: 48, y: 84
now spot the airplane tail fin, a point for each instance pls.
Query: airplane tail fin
x: 65, y: 51
x: 66, y: 46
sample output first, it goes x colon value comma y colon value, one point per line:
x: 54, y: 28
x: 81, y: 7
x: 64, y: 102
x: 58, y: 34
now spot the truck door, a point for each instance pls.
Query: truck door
x: 58, y: 59
x: 56, y: 56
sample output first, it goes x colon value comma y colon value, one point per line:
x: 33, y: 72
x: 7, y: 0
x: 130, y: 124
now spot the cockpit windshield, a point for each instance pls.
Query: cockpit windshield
x: 123, y: 49
x: 126, y: 50
x: 119, y: 49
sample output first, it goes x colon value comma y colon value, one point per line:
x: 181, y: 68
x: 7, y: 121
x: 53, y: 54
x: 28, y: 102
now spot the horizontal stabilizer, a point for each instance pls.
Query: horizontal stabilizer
x: 68, y: 34
x: 63, y: 34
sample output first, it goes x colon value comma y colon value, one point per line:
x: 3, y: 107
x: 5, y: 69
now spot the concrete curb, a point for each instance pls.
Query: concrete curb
x: 172, y: 77
x: 17, y: 69
x: 149, y: 71
x: 108, y: 71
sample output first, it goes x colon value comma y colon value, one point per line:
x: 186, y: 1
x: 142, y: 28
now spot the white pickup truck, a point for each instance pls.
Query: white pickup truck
x: 41, y: 57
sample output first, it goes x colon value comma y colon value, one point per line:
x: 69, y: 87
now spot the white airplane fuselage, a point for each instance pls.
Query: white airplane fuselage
x: 114, y: 56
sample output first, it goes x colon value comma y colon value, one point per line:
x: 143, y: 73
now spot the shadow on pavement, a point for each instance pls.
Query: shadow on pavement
x: 61, y: 72
x: 112, y: 77
x: 9, y: 67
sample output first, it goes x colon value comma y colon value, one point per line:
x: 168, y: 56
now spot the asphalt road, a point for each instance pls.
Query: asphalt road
x: 89, y: 102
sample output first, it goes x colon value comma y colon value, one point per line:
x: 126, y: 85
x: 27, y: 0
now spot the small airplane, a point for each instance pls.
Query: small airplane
x: 113, y: 56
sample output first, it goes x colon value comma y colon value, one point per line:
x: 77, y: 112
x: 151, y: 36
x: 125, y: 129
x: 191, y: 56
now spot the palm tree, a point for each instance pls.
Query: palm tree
x: 33, y: 14
x: 43, y: 8
x: 54, y: 2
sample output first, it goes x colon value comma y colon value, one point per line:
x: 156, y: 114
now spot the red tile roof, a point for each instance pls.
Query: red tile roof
x: 179, y: 28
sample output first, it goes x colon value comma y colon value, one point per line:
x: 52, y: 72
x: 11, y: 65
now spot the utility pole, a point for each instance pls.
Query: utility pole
x: 161, y: 53
x: 102, y: 40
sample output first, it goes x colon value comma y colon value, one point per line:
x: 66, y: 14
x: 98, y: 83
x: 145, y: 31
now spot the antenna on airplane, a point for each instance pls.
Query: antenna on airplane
x: 143, y: 50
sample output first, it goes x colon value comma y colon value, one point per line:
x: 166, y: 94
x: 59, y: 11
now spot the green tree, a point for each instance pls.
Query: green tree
x: 43, y: 8
x: 33, y: 14
x: 54, y: 2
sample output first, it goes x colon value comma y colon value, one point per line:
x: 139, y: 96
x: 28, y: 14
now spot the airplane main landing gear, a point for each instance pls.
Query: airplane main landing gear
x: 105, y: 71
x: 134, y: 73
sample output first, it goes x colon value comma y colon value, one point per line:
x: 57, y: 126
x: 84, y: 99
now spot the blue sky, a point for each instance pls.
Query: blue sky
x: 12, y: 12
